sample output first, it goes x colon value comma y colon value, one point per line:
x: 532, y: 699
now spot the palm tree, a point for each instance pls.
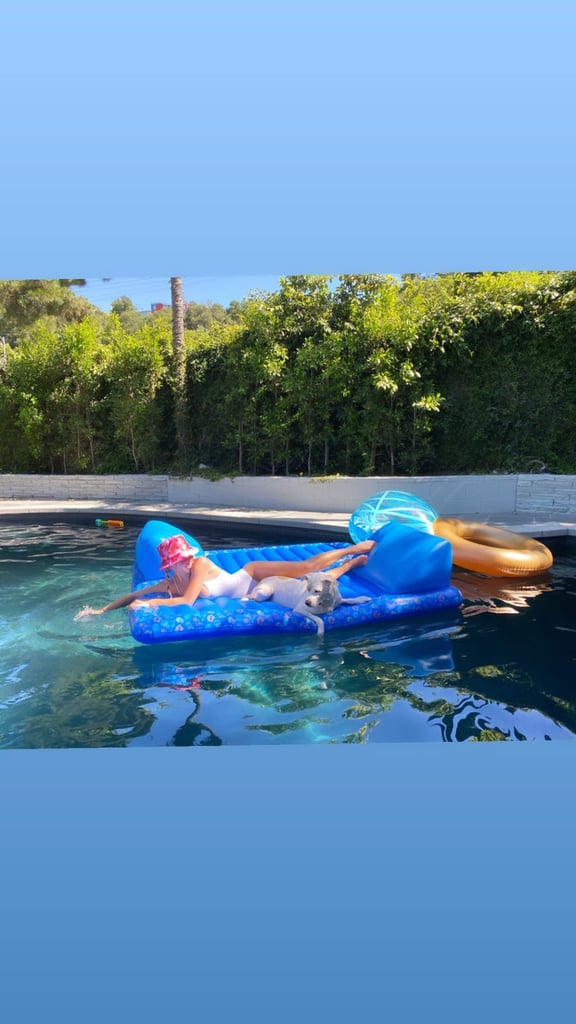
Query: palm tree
x: 179, y: 362
x: 177, y: 319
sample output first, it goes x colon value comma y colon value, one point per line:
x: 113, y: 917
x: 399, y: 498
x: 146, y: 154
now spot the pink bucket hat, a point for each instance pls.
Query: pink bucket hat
x: 175, y: 549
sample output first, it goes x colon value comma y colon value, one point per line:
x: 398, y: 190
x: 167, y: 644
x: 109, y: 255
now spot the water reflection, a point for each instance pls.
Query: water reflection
x: 70, y: 708
x: 498, y: 596
x: 409, y: 681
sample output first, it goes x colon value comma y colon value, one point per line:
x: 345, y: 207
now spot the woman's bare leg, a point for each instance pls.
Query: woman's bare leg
x: 316, y: 563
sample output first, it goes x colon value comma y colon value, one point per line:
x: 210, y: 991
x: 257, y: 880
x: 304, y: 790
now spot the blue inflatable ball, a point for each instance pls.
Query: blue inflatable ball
x: 387, y: 507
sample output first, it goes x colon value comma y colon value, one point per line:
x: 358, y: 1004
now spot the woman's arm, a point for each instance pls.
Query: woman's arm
x: 121, y: 602
x: 200, y: 570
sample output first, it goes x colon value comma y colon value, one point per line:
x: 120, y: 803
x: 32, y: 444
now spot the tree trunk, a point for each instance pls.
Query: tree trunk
x: 179, y: 361
x: 177, y: 318
x: 133, y: 448
x: 372, y: 463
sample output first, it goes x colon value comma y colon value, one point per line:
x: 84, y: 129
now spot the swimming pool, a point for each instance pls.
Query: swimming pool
x: 501, y: 668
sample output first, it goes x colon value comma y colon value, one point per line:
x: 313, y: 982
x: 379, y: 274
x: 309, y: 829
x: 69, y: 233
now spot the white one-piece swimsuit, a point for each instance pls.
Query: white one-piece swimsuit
x: 230, y: 584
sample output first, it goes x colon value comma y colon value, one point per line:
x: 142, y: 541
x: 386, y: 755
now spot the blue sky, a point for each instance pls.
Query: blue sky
x: 229, y: 139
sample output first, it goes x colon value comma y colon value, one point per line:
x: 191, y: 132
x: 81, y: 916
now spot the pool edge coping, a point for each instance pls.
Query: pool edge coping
x: 536, y: 525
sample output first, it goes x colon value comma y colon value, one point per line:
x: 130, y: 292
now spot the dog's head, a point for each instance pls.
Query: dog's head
x: 323, y: 593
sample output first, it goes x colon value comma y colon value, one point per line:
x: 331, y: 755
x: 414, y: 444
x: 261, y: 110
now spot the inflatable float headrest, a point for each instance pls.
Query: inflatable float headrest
x: 407, y: 561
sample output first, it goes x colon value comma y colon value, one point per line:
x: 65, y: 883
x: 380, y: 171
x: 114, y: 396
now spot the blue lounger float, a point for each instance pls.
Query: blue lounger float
x: 408, y: 573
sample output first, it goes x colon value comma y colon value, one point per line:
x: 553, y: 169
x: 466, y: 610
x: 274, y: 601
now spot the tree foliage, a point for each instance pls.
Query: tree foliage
x: 363, y: 374
x: 24, y: 303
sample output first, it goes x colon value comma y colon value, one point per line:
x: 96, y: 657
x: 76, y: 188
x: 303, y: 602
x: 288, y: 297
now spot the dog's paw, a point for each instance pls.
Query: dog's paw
x: 259, y: 594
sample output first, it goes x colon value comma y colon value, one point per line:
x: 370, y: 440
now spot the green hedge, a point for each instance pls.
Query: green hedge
x: 366, y: 374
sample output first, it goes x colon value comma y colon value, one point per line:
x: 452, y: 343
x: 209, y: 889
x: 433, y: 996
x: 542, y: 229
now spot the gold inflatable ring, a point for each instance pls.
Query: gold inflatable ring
x: 491, y: 550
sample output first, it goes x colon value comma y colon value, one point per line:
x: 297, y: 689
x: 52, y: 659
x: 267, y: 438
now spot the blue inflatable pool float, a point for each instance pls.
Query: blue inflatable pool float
x: 408, y: 573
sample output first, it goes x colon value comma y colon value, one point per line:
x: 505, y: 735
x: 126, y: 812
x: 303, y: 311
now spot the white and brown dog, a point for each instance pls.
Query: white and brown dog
x: 318, y: 591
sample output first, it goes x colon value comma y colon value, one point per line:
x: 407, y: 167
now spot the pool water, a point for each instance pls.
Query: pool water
x: 501, y: 668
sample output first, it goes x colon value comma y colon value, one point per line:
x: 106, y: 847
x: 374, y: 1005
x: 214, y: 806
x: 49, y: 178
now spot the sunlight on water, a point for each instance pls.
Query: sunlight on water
x: 501, y: 668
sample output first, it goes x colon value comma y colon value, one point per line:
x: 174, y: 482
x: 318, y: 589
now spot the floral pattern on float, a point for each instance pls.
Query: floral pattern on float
x: 225, y: 616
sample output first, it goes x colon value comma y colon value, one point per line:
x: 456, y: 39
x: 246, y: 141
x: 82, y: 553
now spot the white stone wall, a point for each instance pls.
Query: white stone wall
x: 476, y: 494
x: 544, y: 492
x: 120, y: 487
x: 448, y: 495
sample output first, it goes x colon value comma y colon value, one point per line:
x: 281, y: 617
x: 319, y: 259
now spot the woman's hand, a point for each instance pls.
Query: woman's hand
x: 86, y: 611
